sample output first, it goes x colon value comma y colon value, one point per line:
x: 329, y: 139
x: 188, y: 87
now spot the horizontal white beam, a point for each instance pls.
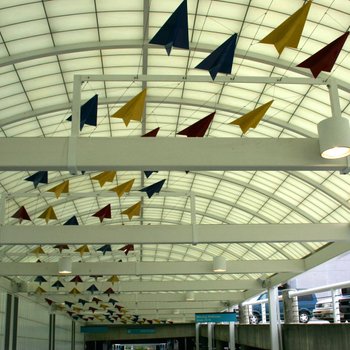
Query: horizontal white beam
x: 152, y: 268
x: 143, y: 153
x: 150, y: 286
x: 203, y: 79
x: 173, y: 234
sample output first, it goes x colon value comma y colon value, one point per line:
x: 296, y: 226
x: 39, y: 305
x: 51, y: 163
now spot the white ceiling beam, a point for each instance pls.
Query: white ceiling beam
x: 142, y: 153
x: 152, y: 268
x: 130, y: 44
x: 150, y: 286
x: 172, y: 234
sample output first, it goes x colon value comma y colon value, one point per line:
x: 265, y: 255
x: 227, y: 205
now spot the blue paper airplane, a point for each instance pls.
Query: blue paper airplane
x: 148, y: 173
x: 88, y: 112
x: 221, y: 59
x: 69, y: 303
x: 40, y: 279
x: 112, y: 301
x: 39, y: 177
x: 72, y: 221
x: 92, y: 289
x: 154, y: 188
x: 105, y: 248
x: 82, y: 301
x: 174, y: 31
x: 58, y: 284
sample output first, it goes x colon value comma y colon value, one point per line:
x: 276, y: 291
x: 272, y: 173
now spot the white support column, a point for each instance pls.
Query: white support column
x: 275, y: 323
x: 210, y: 335
x: 11, y: 317
x: 335, y: 300
x: 232, y: 339
x: 263, y: 313
x: 197, y: 335
x: 52, y: 330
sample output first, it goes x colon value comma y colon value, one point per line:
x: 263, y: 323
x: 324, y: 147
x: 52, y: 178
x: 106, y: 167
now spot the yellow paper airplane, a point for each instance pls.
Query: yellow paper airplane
x: 74, y: 291
x: 289, y: 32
x: 113, y: 279
x: 77, y: 309
x: 252, y: 119
x: 134, y: 210
x: 104, y: 306
x: 122, y: 188
x: 133, y: 109
x: 59, y: 189
x: 48, y: 214
x: 38, y: 250
x: 106, y: 176
x: 83, y: 249
x: 39, y: 290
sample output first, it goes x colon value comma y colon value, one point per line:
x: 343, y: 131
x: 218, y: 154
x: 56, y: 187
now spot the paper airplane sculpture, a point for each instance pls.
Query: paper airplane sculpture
x: 39, y: 290
x: 324, y: 59
x: 112, y: 301
x: 59, y: 189
x: 72, y: 221
x: 221, y: 59
x: 76, y: 279
x: 289, y: 32
x: 21, y: 214
x: 123, y: 188
x: 74, y: 291
x: 105, y: 248
x: 96, y: 300
x: 199, y: 128
x: 58, y: 284
x: 40, y: 279
x: 106, y: 176
x: 113, y: 279
x: 82, y: 301
x: 68, y: 303
x: 61, y: 247
x: 174, y: 32
x: 38, y: 177
x: 154, y: 188
x: 49, y: 301
x: 152, y: 133
x: 92, y: 289
x: 104, y: 213
x: 134, y: 210
x: 48, y: 214
x: 88, y: 112
x: 109, y: 291
x: 132, y: 110
x: 127, y: 248
x: 148, y: 173
x: 82, y: 249
x: 93, y: 309
x: 38, y: 250
x: 252, y: 119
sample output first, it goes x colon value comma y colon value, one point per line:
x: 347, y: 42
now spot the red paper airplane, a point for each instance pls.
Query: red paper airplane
x: 76, y: 279
x: 199, y: 128
x: 152, y: 133
x: 21, y: 214
x: 324, y: 59
x: 126, y: 249
x: 104, y: 213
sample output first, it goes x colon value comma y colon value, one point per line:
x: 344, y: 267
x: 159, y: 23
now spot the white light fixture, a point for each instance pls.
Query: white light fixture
x: 334, y: 137
x: 65, y: 265
x: 189, y: 296
x: 219, y: 264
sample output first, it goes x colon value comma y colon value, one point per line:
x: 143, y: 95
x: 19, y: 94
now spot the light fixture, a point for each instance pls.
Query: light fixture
x: 65, y: 265
x: 334, y: 137
x: 219, y: 264
x: 189, y: 296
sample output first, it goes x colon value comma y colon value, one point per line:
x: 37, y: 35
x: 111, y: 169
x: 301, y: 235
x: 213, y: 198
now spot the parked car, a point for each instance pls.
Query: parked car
x: 324, y: 309
x: 306, y: 304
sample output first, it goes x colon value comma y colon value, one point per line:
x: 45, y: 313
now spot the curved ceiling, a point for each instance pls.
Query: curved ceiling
x: 44, y: 44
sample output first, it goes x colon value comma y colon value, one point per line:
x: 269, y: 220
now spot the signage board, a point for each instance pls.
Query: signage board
x: 216, y: 317
x: 141, y: 330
